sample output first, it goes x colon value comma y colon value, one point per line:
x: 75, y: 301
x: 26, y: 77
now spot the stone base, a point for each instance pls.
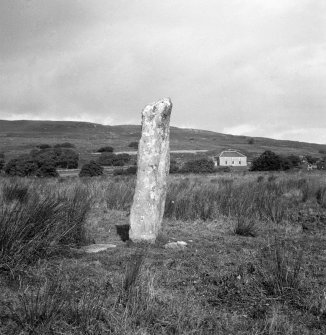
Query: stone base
x: 144, y: 238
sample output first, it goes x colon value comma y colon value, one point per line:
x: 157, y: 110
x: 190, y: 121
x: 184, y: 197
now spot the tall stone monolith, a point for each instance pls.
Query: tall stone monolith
x: 153, y: 168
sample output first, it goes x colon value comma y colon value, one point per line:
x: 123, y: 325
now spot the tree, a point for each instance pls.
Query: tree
x: 68, y: 159
x: 2, y: 160
x: 111, y: 159
x: 106, y: 159
x: 64, y: 145
x: 105, y: 149
x: 60, y: 157
x: 267, y: 161
x: 251, y: 141
x: 133, y: 145
x: 295, y: 160
x: 311, y: 160
x: 321, y: 164
x: 202, y: 165
x: 131, y: 170
x: 174, y: 168
x: 91, y: 169
x: 286, y: 163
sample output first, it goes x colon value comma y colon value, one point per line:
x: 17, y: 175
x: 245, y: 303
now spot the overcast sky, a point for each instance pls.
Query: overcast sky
x: 244, y: 67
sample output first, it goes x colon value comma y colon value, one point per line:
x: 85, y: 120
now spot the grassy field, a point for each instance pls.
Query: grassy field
x: 19, y: 137
x: 254, y: 264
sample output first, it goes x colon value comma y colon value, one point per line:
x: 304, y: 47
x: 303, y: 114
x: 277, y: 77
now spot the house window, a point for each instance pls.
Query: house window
x: 232, y: 162
x: 226, y: 162
x: 240, y: 162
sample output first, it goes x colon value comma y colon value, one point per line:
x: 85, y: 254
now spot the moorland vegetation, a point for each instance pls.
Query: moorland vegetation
x: 254, y: 261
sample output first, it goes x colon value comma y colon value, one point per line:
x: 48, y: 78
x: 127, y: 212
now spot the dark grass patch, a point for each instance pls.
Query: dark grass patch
x: 245, y: 227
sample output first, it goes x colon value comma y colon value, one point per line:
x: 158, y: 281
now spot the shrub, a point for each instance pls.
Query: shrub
x: 44, y: 146
x: 223, y: 169
x: 174, y: 168
x: 105, y: 149
x: 91, y: 169
x: 106, y: 159
x: 22, y: 166
x: 123, y: 157
x: 311, y: 160
x: 251, y: 141
x: 295, y: 160
x: 2, y: 163
x: 285, y: 163
x: 267, y: 161
x: 47, y: 170
x: 67, y: 158
x: 64, y: 145
x: 202, y: 165
x: 133, y: 145
x: 42, y: 163
x: 60, y: 157
x: 110, y: 159
x: 321, y: 165
x: 131, y: 170
x: 119, y: 172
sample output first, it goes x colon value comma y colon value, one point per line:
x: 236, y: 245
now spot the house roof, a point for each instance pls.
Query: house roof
x: 231, y: 153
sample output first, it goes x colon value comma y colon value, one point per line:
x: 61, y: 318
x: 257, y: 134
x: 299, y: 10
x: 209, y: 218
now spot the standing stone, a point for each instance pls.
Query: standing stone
x: 153, y: 168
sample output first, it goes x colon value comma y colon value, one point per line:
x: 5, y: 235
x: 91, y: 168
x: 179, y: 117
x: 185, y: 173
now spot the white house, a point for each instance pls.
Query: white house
x: 232, y: 158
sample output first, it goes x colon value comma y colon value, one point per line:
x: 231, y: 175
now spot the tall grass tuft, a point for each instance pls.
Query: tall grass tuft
x: 119, y: 194
x: 57, y: 306
x: 245, y: 227
x: 321, y: 196
x: 37, y: 309
x: 279, y: 273
x: 77, y: 203
x: 15, y: 191
x: 41, y: 226
x: 133, y: 272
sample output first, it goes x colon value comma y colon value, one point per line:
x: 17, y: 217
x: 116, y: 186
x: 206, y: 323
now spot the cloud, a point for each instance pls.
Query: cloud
x: 242, y: 129
x: 249, y: 66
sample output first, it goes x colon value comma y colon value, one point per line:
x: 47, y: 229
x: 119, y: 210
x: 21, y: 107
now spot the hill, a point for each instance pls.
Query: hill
x: 21, y: 136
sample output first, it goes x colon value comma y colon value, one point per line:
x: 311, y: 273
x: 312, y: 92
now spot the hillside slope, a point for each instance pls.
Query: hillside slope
x: 21, y: 136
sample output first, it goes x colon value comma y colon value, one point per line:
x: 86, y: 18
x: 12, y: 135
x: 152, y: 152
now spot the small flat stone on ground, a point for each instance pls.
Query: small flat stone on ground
x: 93, y: 248
x: 179, y: 245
